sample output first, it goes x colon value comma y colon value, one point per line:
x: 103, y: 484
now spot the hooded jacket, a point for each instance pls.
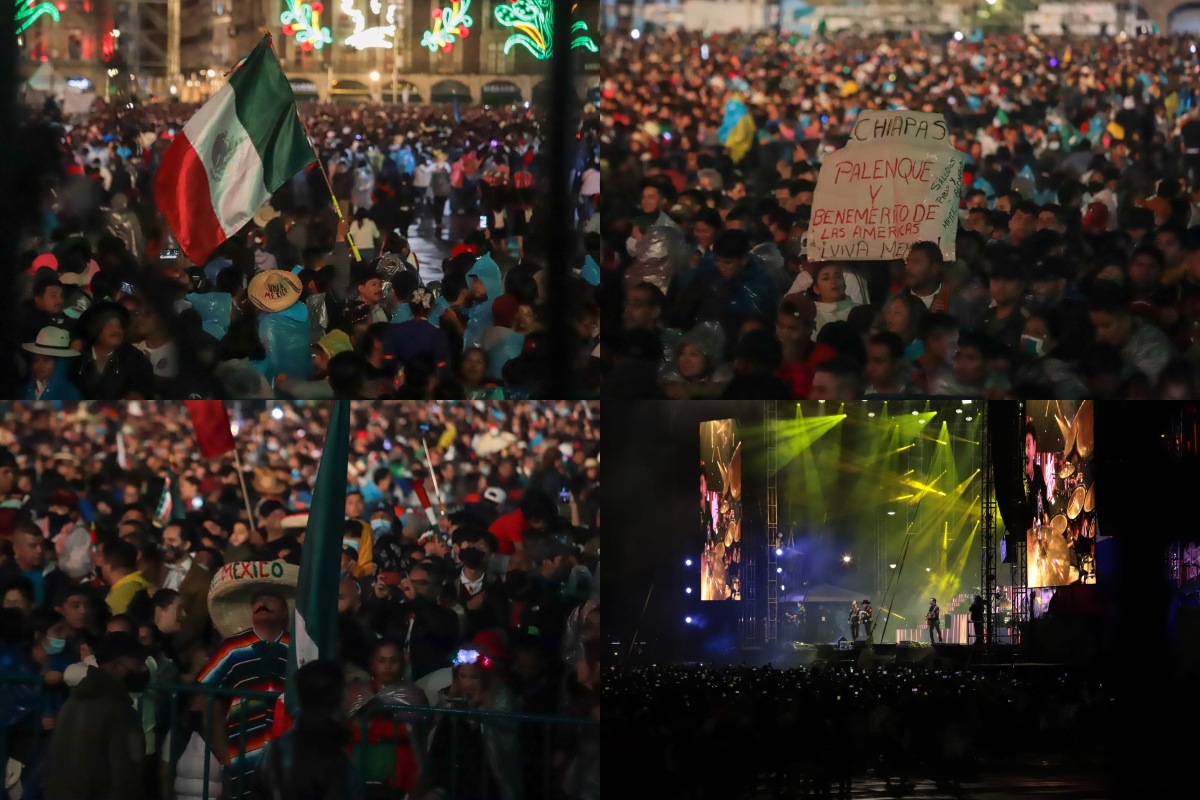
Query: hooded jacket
x: 99, y: 734
x: 127, y: 370
x: 480, y: 315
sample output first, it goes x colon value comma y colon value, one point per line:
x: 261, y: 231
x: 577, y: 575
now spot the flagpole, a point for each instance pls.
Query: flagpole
x: 336, y: 207
x: 237, y: 460
x: 432, y: 474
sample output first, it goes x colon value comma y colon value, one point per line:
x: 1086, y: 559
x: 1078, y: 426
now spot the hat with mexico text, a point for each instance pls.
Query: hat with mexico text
x: 236, y: 584
x: 274, y: 290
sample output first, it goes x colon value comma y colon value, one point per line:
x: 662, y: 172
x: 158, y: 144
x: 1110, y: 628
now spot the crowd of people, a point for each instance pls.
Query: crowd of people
x: 706, y: 731
x: 133, y: 567
x: 111, y: 309
x: 1076, y: 266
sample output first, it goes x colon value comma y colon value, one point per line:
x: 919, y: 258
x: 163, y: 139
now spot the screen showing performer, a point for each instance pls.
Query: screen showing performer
x: 721, y: 510
x: 1059, y: 456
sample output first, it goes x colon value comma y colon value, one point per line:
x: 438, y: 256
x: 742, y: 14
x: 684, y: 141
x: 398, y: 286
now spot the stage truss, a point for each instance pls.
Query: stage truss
x: 1019, y: 564
x: 987, y: 526
x: 771, y: 423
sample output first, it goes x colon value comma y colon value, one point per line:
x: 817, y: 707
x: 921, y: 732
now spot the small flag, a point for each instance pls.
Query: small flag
x: 423, y: 496
x: 1001, y: 118
x: 122, y: 458
x: 233, y: 153
x: 170, y: 507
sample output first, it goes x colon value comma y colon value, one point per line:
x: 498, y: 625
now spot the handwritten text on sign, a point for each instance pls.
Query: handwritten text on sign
x: 896, y: 185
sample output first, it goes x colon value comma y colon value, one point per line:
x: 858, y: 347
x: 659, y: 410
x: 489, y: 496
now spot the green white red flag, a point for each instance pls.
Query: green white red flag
x: 232, y: 155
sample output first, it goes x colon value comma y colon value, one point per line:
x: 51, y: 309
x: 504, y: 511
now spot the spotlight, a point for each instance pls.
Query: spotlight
x: 782, y: 587
x: 891, y: 513
x: 914, y: 413
x: 970, y: 418
x: 958, y: 411
x: 845, y: 559
x: 635, y: 34
x: 822, y: 402
x: 958, y: 36
x: 778, y: 551
x: 870, y: 413
x: 276, y: 413
x: 967, y: 402
x: 779, y: 569
x: 687, y: 563
x: 924, y: 421
x: 927, y: 569
x: 688, y: 590
x: 893, y: 566
x: 688, y: 620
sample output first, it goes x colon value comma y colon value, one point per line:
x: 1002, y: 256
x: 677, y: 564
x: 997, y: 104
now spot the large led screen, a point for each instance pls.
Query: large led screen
x: 1059, y: 457
x: 721, y: 510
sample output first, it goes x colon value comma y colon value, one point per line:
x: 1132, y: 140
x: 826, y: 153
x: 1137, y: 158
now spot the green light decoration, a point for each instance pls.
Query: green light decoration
x: 28, y: 12
x: 533, y: 21
x: 449, y: 24
x: 303, y: 20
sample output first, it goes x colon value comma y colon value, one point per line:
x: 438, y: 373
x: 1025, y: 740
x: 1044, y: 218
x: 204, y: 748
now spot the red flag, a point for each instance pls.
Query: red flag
x: 211, y: 422
x: 423, y: 496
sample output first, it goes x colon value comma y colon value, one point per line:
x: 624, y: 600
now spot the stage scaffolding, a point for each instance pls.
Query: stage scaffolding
x: 1019, y: 564
x: 987, y: 529
x: 771, y: 425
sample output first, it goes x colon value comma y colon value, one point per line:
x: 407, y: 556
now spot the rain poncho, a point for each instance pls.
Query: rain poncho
x: 709, y: 340
x: 285, y: 335
x: 480, y: 316
x: 214, y: 309
x: 364, y: 186
x: 501, y: 345
x: 658, y: 256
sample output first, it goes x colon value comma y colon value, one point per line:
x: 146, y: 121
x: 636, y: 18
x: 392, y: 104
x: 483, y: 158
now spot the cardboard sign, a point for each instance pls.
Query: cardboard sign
x: 895, y: 183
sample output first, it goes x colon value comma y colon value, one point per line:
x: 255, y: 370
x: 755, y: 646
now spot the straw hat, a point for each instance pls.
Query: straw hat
x: 236, y: 584
x: 274, y: 290
x: 267, y: 482
x: 52, y: 341
x: 265, y: 215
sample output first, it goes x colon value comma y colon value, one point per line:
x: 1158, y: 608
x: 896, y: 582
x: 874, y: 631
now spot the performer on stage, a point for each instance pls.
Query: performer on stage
x: 864, y: 616
x: 977, y: 609
x: 854, y: 620
x: 934, y: 620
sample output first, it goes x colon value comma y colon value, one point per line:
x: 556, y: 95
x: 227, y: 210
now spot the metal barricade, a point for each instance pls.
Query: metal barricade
x: 23, y: 735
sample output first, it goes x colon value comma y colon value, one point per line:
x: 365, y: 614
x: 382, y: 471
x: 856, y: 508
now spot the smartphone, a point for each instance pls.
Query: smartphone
x: 170, y: 254
x: 389, y: 578
x: 483, y: 222
x: 126, y: 287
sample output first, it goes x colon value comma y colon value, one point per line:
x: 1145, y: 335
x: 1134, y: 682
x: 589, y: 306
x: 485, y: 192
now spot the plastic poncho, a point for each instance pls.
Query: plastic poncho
x: 501, y: 345
x: 214, y: 309
x: 285, y: 335
x: 590, y: 271
x: 480, y: 316
x: 364, y: 186
x: 659, y: 255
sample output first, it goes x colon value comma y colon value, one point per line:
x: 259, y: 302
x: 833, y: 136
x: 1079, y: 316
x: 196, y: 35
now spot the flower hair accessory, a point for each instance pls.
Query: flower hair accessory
x: 422, y: 298
x: 472, y: 657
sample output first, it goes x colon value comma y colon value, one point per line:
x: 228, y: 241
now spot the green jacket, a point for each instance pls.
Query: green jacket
x: 99, y: 735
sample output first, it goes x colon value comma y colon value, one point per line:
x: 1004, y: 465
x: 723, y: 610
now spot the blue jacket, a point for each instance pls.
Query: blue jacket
x: 480, y: 315
x: 59, y: 388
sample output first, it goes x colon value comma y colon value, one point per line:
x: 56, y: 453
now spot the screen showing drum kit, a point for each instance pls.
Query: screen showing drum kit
x: 721, y: 510
x: 1059, y: 451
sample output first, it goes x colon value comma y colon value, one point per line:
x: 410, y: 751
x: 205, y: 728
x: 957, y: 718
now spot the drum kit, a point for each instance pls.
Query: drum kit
x: 1076, y: 490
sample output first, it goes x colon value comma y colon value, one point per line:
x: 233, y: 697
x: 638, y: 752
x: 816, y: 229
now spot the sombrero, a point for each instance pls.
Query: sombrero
x: 295, y: 521
x: 236, y: 584
x: 274, y: 290
x: 267, y: 482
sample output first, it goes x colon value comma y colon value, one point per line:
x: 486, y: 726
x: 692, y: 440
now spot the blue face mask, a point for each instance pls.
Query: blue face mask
x: 380, y: 526
x: 55, y: 646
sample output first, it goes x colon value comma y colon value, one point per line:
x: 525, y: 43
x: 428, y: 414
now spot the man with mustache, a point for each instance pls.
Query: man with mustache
x: 249, y: 603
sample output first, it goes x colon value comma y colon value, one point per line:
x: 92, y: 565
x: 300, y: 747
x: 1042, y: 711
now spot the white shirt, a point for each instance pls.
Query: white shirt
x: 590, y: 183
x: 39, y: 387
x: 164, y: 359
x: 176, y: 573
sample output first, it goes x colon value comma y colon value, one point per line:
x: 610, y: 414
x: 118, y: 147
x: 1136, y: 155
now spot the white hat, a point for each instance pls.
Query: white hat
x: 52, y: 341
x: 295, y: 521
x: 495, y: 494
x: 235, y: 585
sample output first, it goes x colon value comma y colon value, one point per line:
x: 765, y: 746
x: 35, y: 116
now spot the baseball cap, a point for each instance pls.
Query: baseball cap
x: 270, y: 507
x: 495, y: 494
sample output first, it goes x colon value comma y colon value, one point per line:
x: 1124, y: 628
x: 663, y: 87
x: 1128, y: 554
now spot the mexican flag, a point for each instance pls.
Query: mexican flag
x: 240, y: 147
x: 211, y: 423
x: 170, y: 508
x: 315, y: 630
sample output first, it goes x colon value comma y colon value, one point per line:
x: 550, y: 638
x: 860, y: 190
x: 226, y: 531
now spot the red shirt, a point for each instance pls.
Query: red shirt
x: 799, y: 374
x: 508, y: 529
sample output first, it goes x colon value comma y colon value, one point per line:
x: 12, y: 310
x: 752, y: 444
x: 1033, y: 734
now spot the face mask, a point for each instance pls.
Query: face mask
x: 381, y: 526
x: 1055, y: 145
x: 55, y: 646
x: 1032, y: 345
x: 351, y: 543
x: 272, y: 446
x: 137, y: 681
